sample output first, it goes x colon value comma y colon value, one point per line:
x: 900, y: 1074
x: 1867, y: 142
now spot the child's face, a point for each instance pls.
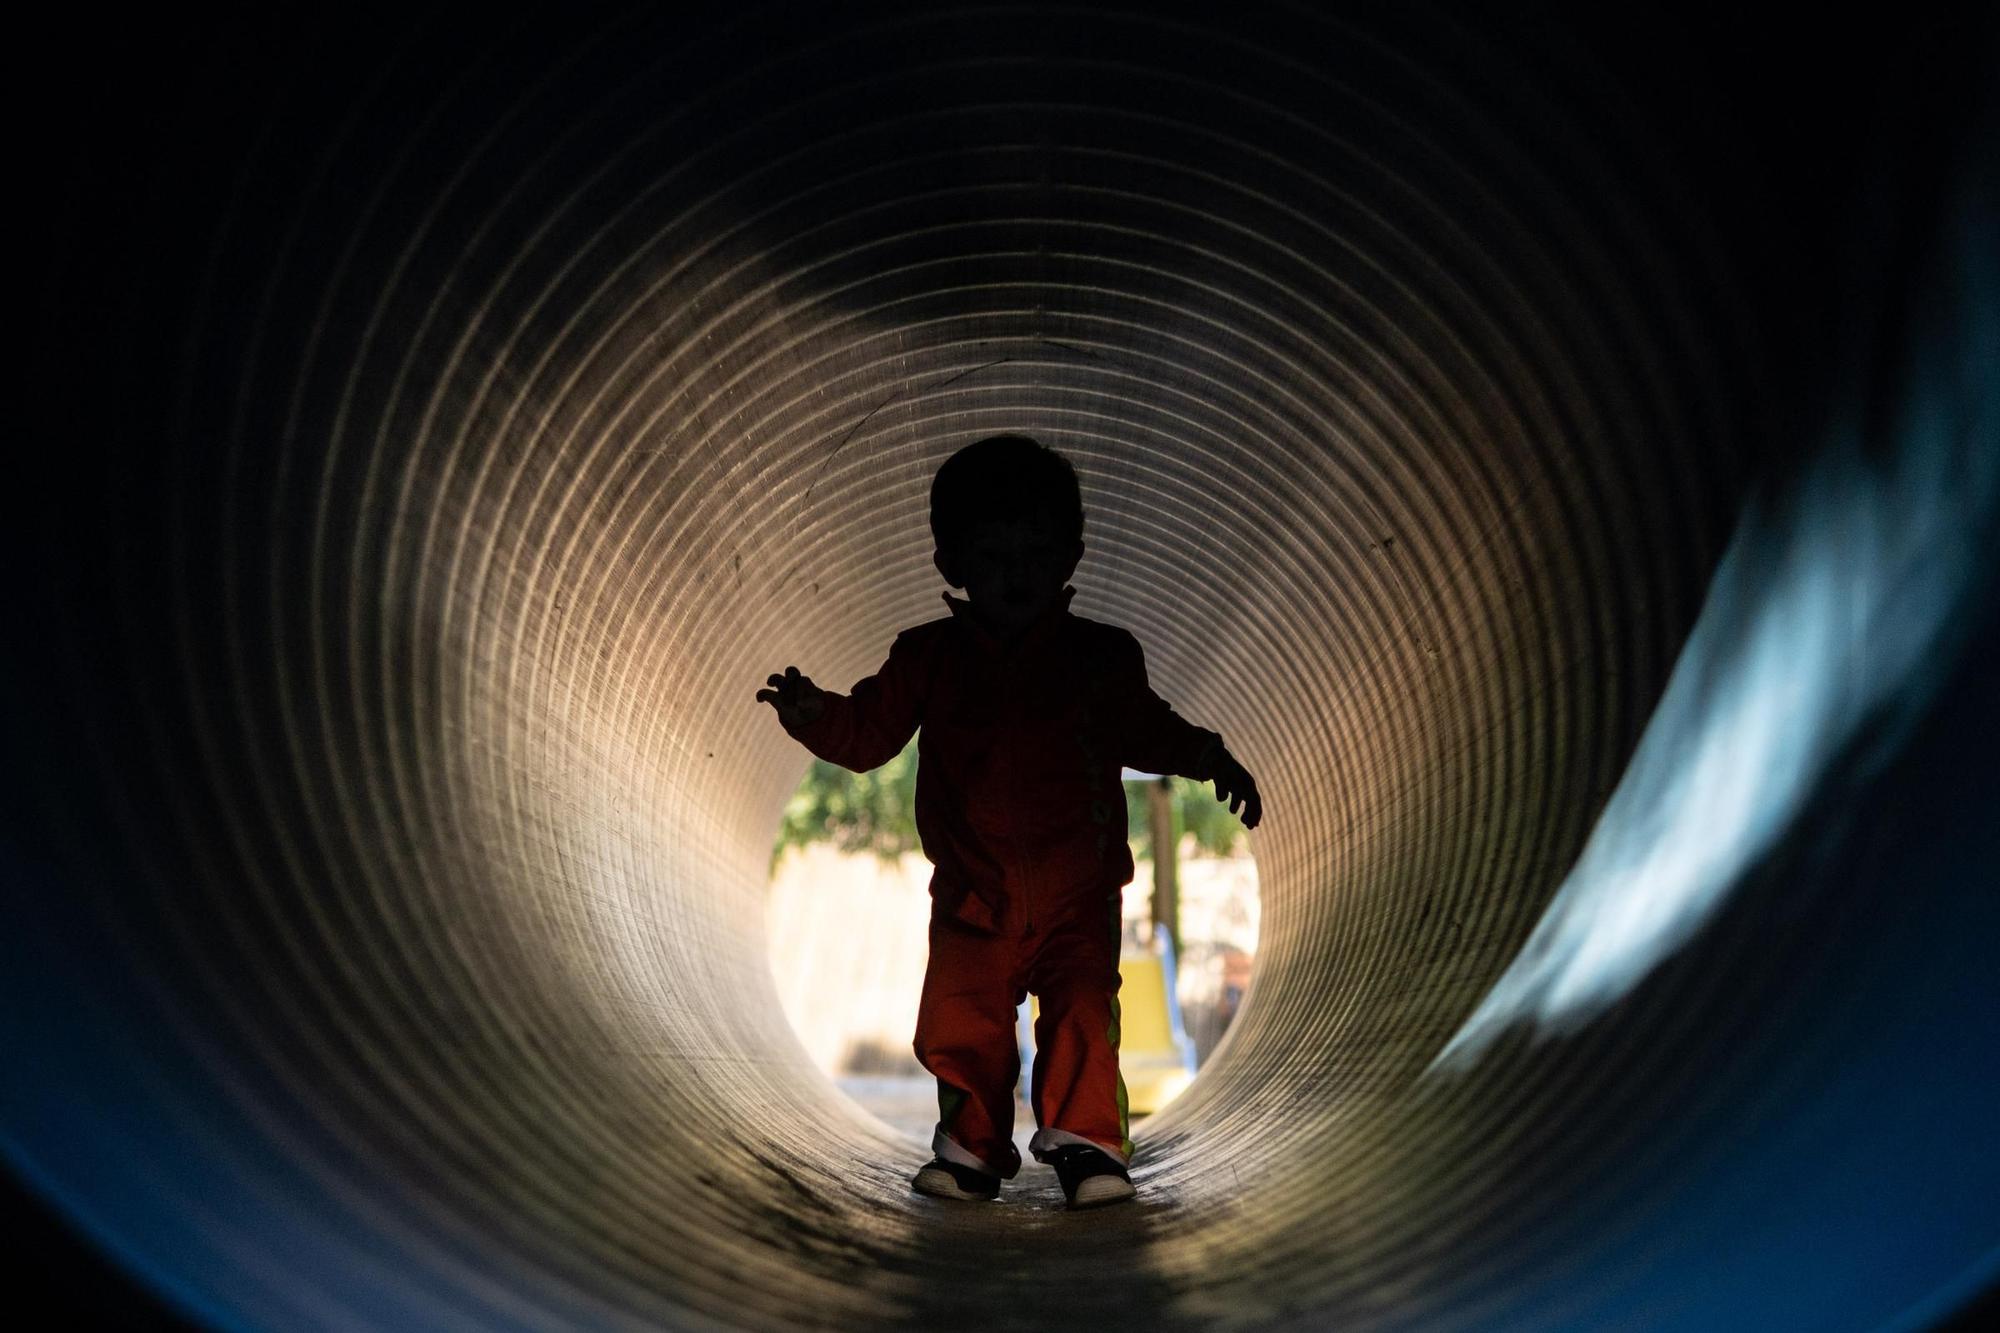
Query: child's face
x: 1012, y: 570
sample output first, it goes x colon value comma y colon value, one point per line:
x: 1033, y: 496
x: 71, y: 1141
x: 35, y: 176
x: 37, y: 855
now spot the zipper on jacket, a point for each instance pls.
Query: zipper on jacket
x: 1027, y: 889
x: 1027, y: 899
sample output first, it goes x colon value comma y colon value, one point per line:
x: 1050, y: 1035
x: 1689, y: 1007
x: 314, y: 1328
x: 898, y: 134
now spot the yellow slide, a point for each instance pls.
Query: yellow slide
x: 1155, y: 1057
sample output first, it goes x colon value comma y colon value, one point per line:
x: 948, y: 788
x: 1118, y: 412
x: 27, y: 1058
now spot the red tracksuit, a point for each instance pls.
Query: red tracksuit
x: 1021, y: 811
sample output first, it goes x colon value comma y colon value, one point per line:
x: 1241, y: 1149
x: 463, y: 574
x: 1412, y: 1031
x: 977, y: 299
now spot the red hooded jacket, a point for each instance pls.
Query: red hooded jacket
x: 1019, y: 801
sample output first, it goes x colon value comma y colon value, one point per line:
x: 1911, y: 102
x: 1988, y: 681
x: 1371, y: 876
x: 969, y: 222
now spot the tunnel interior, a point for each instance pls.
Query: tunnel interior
x: 440, y: 430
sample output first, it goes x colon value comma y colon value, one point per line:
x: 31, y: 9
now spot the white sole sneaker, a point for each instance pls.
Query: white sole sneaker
x: 938, y: 1183
x: 1099, y: 1190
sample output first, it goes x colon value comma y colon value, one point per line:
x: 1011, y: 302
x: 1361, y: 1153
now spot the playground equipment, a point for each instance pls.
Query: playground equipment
x: 436, y: 430
x: 1155, y: 1057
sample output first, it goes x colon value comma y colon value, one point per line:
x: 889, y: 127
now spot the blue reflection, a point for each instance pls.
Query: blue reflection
x: 1836, y: 606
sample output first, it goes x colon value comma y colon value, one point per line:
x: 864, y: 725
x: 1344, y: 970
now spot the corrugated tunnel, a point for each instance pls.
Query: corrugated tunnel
x: 441, y: 431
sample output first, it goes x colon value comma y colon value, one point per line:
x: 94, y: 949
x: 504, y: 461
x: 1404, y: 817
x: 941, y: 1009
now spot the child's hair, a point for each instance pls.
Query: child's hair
x: 1004, y: 477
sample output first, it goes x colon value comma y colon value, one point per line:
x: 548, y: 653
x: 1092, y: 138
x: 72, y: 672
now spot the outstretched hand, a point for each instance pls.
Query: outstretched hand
x: 1234, y: 784
x: 799, y: 702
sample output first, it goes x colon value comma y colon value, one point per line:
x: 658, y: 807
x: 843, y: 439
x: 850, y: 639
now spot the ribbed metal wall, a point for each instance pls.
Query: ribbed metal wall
x: 481, y: 414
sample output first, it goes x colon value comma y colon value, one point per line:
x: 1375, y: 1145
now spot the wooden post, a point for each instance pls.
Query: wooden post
x: 1166, y: 888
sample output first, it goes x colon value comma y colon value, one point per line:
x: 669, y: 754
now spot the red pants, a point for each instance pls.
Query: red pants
x: 966, y: 1036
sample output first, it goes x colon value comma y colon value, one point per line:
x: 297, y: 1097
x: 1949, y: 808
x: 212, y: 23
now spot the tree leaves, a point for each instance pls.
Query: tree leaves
x: 876, y: 812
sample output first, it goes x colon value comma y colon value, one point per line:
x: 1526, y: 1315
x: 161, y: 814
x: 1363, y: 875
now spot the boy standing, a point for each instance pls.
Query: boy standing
x: 1028, y: 713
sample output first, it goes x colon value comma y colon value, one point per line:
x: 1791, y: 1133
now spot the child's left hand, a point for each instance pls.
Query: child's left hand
x: 1234, y: 784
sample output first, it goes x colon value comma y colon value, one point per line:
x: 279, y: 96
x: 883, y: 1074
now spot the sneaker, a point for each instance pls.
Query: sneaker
x: 1090, y: 1177
x: 949, y: 1180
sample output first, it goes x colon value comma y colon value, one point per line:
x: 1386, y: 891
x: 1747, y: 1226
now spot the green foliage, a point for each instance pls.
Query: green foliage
x: 856, y: 812
x: 1216, y: 831
x: 876, y: 812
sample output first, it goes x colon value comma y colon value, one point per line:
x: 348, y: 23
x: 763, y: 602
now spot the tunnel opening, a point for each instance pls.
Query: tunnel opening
x: 850, y: 900
x: 442, y: 424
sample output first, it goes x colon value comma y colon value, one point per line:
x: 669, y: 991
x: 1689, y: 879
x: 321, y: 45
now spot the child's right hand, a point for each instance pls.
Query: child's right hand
x: 799, y: 702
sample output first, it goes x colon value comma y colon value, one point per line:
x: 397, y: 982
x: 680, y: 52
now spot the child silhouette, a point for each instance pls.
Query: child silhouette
x: 1028, y: 713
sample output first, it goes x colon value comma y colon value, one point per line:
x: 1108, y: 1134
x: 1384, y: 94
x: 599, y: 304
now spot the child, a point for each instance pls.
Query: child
x: 1027, y: 714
